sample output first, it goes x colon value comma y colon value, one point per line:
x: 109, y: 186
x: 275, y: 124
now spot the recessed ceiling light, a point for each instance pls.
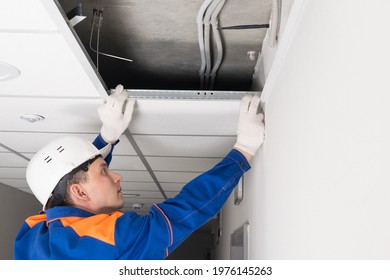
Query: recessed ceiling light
x: 32, y: 118
x: 137, y: 206
x: 8, y: 72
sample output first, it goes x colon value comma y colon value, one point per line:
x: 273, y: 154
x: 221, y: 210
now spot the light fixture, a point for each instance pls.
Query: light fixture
x: 137, y: 206
x: 8, y: 71
x: 32, y: 118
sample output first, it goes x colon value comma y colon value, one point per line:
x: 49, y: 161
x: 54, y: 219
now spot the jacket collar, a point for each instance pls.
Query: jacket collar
x: 66, y: 211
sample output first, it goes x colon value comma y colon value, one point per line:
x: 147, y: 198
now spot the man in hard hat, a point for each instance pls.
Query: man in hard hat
x: 81, y: 196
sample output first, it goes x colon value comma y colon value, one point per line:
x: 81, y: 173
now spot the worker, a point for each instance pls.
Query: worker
x: 82, y: 197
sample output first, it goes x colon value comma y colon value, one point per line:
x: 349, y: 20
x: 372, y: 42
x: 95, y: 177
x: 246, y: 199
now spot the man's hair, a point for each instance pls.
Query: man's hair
x: 79, y: 177
x: 61, y: 195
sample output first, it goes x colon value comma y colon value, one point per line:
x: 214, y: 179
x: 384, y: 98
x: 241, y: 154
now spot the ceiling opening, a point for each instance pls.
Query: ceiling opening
x: 163, y: 38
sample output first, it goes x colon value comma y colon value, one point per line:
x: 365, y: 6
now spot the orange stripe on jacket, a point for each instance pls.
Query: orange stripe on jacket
x: 100, y: 226
x: 33, y: 220
x: 168, y: 222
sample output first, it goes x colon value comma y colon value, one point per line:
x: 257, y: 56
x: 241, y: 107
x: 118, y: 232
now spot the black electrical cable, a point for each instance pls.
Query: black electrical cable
x: 246, y: 26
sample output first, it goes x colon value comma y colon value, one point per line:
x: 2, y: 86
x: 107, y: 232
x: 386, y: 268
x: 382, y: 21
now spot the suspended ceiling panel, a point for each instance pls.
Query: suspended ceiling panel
x: 196, y: 164
x: 177, y: 177
x: 186, y: 117
x: 31, y: 16
x: 61, y: 114
x: 11, y: 160
x: 189, y: 146
x: 163, y: 116
x: 37, y: 55
x: 131, y: 162
x: 11, y: 172
x: 43, y: 48
x: 20, y: 184
x: 174, y: 136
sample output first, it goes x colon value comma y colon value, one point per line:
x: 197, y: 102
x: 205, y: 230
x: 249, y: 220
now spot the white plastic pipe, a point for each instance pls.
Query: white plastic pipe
x: 207, y: 36
x: 199, y: 22
x: 275, y: 21
x: 218, y: 42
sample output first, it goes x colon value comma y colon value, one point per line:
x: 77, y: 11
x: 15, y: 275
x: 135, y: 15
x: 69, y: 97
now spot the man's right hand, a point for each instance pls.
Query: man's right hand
x: 114, y: 120
x: 250, y: 130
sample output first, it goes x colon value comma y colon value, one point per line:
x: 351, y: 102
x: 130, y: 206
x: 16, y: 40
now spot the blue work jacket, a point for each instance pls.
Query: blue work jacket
x: 70, y: 233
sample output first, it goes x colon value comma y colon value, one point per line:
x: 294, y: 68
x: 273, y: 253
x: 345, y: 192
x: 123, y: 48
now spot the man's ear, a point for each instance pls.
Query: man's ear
x: 77, y: 192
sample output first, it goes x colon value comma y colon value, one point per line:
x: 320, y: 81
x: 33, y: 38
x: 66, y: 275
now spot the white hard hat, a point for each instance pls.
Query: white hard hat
x: 57, y: 159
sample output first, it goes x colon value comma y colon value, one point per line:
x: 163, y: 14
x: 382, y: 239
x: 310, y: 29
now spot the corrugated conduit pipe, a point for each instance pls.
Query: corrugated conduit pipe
x: 207, y: 36
x: 275, y: 22
x: 218, y: 42
x: 199, y: 21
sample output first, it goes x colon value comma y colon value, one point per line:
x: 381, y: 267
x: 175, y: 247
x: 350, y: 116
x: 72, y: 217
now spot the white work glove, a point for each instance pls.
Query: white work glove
x: 111, y: 113
x: 250, y: 130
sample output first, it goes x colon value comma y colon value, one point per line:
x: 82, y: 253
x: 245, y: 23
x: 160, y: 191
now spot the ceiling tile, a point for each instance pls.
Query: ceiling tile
x: 24, y: 142
x: 135, y: 176
x: 17, y: 183
x: 182, y: 164
x: 31, y: 16
x: 11, y: 160
x: 176, y: 177
x: 12, y: 172
x: 61, y: 115
x: 190, y: 146
x: 47, y: 64
x: 17, y: 141
x: 120, y: 163
x: 151, y: 186
x: 191, y: 117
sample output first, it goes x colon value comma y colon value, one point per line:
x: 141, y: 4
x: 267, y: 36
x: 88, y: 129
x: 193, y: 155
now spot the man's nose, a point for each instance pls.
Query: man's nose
x: 117, y: 177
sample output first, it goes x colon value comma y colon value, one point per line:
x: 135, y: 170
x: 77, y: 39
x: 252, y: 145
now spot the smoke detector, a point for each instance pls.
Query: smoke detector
x: 136, y: 206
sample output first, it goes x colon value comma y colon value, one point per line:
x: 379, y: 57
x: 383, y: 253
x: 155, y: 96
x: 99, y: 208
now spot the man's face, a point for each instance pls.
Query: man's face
x: 104, y: 188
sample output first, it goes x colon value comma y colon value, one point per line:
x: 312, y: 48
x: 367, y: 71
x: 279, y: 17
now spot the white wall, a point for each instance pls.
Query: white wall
x: 251, y: 210
x: 15, y: 207
x: 320, y: 187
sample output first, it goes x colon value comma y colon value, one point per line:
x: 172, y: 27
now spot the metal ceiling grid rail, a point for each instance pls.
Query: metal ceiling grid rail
x: 190, y: 94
